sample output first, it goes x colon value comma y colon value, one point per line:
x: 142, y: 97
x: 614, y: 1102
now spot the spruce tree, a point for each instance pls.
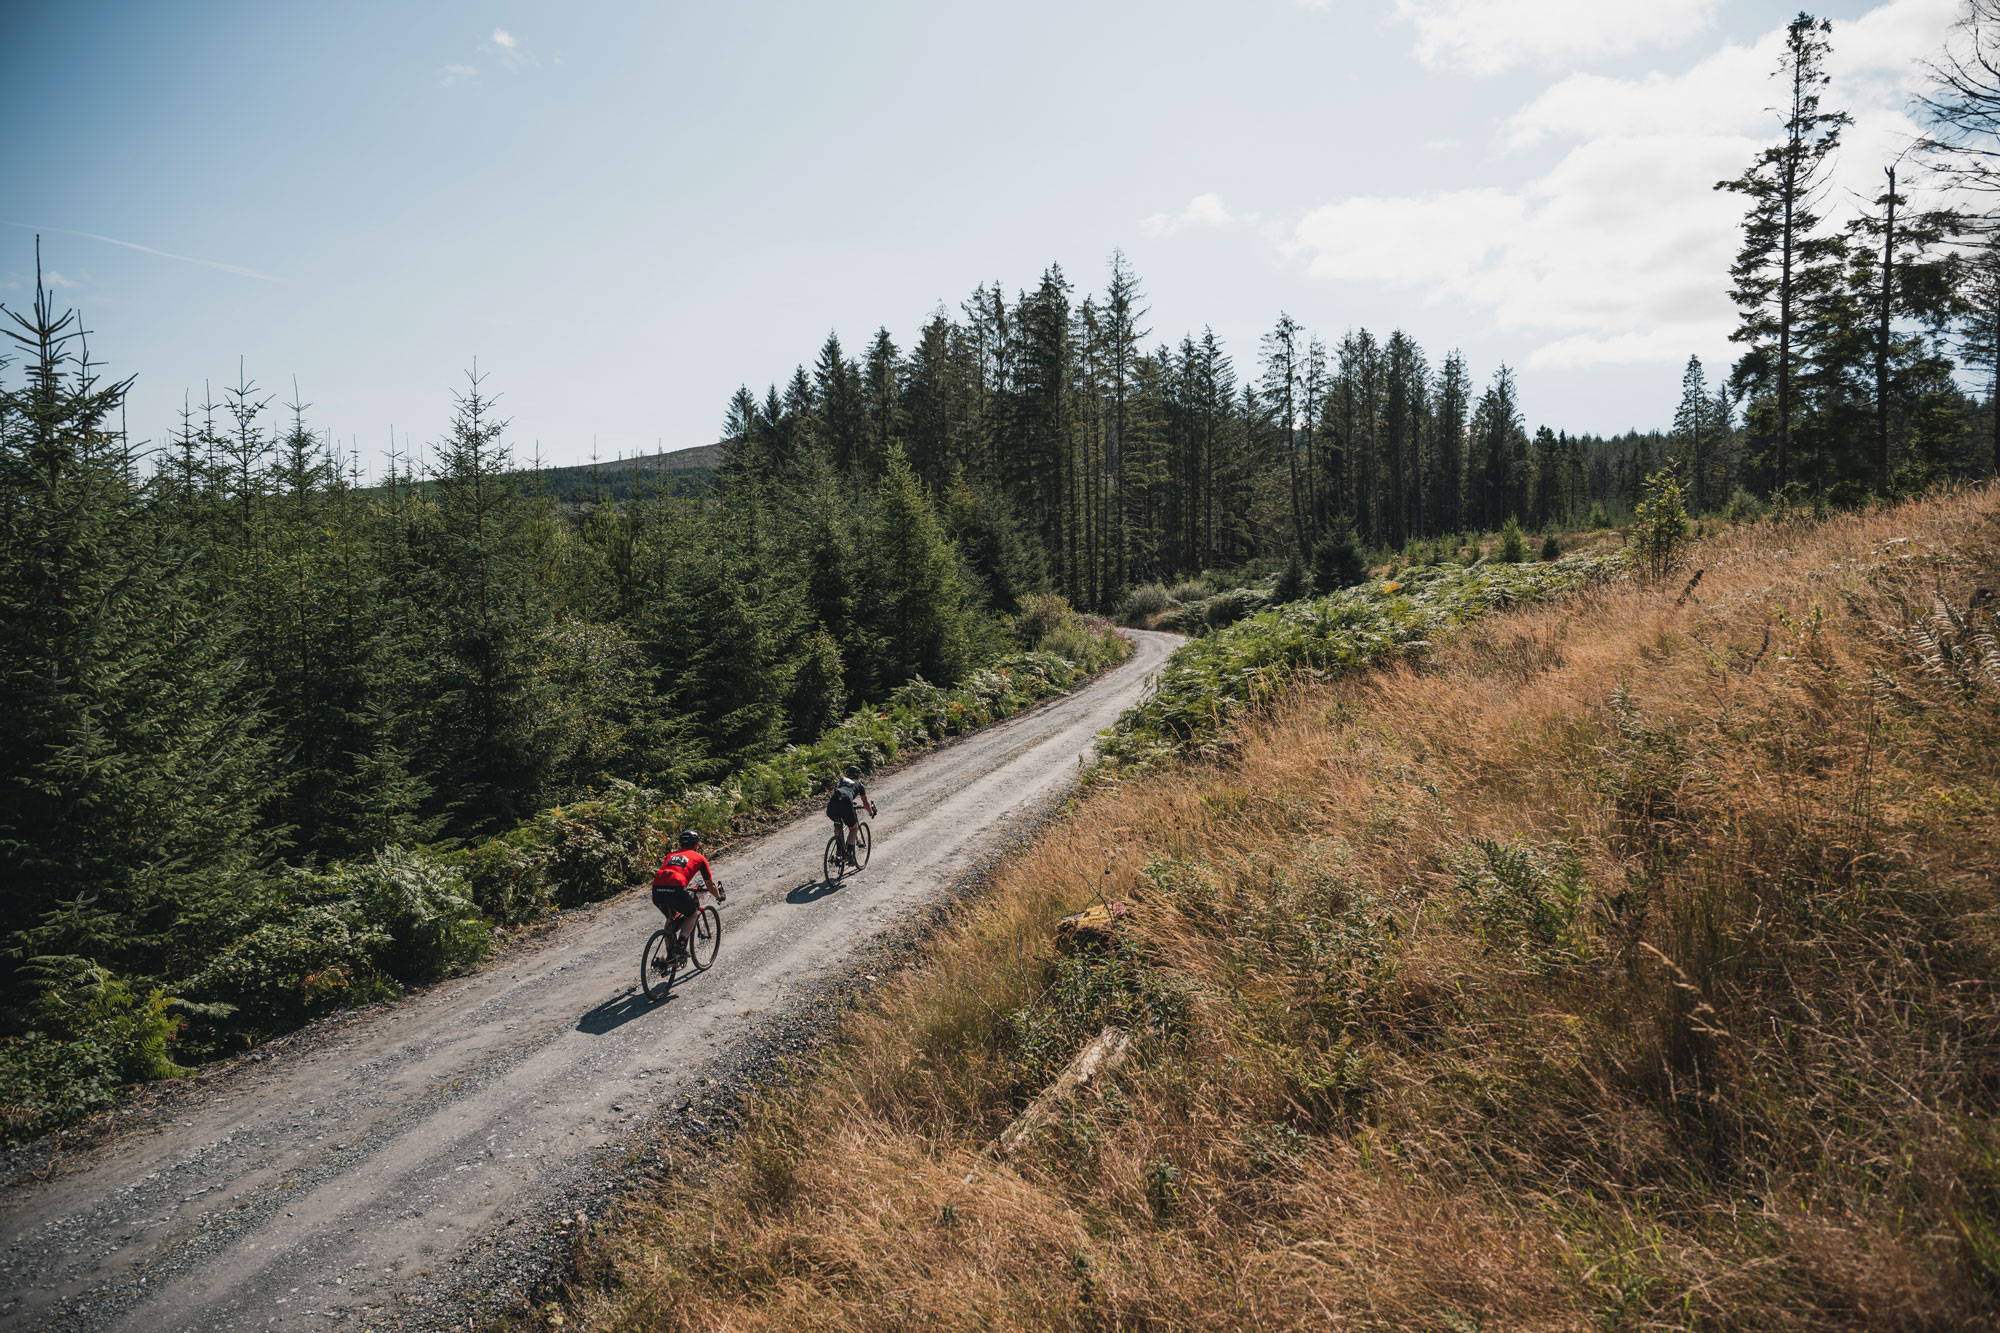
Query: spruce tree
x: 477, y: 592
x: 918, y: 603
x: 132, y: 768
x: 1786, y: 262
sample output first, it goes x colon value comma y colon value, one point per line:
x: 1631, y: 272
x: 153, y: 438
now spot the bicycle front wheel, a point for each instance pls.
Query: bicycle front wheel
x: 861, y: 844
x: 656, y: 966
x: 707, y: 938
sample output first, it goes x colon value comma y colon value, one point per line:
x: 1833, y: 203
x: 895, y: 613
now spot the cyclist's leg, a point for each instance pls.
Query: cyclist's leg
x: 686, y: 905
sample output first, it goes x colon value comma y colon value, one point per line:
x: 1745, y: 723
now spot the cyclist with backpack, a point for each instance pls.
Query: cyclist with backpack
x: 850, y: 795
x: 673, y: 893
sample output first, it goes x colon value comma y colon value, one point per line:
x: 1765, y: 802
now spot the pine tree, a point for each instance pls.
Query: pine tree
x: 1498, y: 439
x: 485, y: 609
x: 1124, y: 459
x: 132, y: 771
x: 1453, y: 404
x: 1692, y: 431
x: 881, y: 401
x: 1785, y: 263
x: 919, y: 603
x: 1284, y: 349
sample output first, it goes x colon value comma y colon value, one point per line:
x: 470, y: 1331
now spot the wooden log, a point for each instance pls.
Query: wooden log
x: 1097, y: 1060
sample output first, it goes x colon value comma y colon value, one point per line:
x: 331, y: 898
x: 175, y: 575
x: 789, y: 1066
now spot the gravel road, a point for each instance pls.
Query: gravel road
x: 406, y: 1165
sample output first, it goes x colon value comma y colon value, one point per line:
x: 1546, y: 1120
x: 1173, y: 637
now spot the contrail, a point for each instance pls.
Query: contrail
x: 149, y: 250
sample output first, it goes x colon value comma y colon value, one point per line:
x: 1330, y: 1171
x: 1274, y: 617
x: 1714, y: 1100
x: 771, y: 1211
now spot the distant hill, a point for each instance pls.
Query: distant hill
x: 677, y: 472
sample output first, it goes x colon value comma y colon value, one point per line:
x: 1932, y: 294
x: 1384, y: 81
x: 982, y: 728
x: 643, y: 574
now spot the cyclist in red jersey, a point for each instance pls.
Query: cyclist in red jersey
x: 673, y: 893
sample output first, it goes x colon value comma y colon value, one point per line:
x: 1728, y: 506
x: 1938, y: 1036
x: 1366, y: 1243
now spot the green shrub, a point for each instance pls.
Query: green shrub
x: 1513, y: 550
x: 1522, y: 897
x: 1743, y: 507
x: 424, y: 908
x: 1227, y: 608
x: 284, y: 972
x: 1041, y: 615
x: 46, y: 1083
x: 592, y: 849
x: 1191, y: 590
x: 506, y: 878
x: 1144, y: 602
x: 1660, y: 527
x: 1292, y: 584
x: 80, y: 1002
x: 1551, y: 548
x: 1337, y: 560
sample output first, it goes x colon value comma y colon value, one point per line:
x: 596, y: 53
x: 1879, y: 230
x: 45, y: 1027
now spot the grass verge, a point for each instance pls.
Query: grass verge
x: 1627, y: 962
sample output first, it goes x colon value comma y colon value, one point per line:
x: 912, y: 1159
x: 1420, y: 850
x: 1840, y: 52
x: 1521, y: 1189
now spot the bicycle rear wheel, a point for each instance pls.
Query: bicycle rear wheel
x: 829, y: 863
x: 861, y: 845
x: 707, y: 938
x: 656, y: 965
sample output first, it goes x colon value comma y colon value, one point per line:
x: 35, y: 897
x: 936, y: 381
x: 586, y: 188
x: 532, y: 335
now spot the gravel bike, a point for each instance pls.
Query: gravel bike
x: 833, y: 866
x: 660, y: 964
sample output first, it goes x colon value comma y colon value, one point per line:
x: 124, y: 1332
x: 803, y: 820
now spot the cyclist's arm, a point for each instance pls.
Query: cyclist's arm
x: 713, y: 887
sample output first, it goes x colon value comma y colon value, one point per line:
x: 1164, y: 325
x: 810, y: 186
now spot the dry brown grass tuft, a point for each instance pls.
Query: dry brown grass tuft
x: 1630, y: 963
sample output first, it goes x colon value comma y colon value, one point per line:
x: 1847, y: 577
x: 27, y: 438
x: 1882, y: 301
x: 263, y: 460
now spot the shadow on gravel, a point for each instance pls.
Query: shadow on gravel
x: 813, y: 890
x: 617, y: 1012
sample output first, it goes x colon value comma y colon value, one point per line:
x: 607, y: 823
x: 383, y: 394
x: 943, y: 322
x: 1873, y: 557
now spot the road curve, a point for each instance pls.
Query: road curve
x: 330, y: 1183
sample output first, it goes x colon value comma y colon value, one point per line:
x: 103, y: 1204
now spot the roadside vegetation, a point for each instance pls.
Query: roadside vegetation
x: 1626, y: 960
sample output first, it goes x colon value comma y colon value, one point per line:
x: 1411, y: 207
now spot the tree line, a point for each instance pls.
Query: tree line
x: 1116, y: 462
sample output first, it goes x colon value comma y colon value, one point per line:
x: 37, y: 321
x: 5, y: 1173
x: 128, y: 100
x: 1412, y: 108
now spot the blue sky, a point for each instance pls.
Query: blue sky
x: 624, y: 211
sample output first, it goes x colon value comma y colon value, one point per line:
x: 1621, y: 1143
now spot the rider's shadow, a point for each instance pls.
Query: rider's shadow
x: 812, y: 891
x: 617, y: 1012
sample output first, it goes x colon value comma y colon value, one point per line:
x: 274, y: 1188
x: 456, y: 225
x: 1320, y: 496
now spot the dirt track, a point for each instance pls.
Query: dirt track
x: 368, y: 1172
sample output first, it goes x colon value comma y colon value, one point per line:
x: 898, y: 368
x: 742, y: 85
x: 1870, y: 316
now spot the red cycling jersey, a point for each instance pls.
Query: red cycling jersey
x: 680, y: 868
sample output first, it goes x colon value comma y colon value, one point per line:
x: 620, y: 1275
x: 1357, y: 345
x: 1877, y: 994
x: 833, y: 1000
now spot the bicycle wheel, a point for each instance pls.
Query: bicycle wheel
x: 656, y: 966
x: 861, y: 845
x: 829, y: 863
x: 707, y: 938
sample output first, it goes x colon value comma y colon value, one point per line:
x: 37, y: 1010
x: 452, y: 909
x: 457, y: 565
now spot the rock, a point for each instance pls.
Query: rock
x: 1093, y: 928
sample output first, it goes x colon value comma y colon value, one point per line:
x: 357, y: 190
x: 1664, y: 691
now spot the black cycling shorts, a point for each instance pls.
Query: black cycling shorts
x: 674, y: 902
x: 843, y: 812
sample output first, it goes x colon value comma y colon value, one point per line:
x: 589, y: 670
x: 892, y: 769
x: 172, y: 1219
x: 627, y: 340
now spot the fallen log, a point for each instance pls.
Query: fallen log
x: 1097, y: 1060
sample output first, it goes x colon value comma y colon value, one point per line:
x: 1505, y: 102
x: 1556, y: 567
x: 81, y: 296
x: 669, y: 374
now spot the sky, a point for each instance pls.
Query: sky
x: 624, y: 211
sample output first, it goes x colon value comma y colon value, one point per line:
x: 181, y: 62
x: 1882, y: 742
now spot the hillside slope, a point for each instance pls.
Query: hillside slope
x: 1629, y: 963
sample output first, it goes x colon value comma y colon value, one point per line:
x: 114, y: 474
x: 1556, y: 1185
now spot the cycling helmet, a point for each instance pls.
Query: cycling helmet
x: 689, y: 838
x: 854, y: 770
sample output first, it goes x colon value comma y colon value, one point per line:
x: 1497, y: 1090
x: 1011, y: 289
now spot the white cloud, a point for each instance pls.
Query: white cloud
x: 1619, y: 253
x: 1204, y: 210
x: 1488, y: 36
x: 1873, y: 63
x: 453, y: 74
x: 505, y: 47
x: 1434, y: 241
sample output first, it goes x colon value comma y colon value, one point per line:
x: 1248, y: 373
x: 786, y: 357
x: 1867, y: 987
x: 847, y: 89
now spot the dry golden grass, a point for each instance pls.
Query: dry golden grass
x: 1628, y: 964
